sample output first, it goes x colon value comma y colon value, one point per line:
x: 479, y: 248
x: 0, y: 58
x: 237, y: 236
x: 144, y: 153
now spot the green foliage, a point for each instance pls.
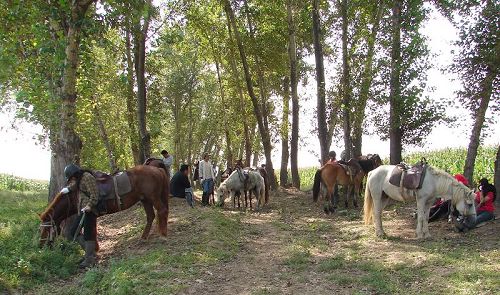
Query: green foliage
x: 23, y: 265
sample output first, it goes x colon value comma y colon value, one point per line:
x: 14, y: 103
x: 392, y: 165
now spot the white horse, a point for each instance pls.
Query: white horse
x: 436, y: 183
x: 236, y: 183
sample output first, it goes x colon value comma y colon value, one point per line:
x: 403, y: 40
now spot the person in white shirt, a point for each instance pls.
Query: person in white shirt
x: 167, y: 160
x: 207, y: 179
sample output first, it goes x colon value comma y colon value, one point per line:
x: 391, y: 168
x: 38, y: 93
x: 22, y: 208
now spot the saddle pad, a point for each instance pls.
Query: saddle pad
x: 396, y: 174
x: 123, y: 183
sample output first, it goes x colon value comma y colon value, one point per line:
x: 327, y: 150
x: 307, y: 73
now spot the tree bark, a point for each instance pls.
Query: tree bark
x: 131, y: 112
x: 66, y: 146
x: 264, y: 132
x: 496, y: 177
x: 292, y: 56
x: 395, y: 86
x: 479, y: 116
x: 346, y: 83
x: 366, y: 82
x: 284, y: 133
x: 140, y: 36
x: 320, y: 83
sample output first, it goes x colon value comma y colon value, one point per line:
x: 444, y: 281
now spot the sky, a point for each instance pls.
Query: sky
x: 21, y: 155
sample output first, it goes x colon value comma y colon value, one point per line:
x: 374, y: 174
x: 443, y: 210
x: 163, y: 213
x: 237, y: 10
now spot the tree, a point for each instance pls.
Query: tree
x: 258, y: 112
x: 496, y: 177
x: 285, y: 154
x: 477, y: 63
x: 292, y: 55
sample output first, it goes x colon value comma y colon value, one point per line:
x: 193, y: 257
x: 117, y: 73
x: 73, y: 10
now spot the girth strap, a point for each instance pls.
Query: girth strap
x: 118, y: 200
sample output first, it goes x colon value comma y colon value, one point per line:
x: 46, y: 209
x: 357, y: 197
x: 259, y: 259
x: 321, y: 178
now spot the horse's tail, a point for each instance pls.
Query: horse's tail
x: 316, y: 185
x: 165, y: 190
x: 368, y: 204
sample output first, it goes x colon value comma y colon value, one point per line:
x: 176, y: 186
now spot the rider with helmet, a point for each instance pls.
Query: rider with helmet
x: 84, y: 183
x: 332, y: 158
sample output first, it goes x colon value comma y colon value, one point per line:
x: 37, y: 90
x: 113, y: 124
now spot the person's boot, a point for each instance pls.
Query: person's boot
x: 204, y: 200
x: 90, y: 258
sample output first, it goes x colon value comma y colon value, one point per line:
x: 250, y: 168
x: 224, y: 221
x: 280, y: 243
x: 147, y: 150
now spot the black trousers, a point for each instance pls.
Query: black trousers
x: 89, y: 226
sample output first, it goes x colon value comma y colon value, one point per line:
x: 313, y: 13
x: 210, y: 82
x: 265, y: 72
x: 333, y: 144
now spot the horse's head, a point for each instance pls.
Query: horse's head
x: 61, y: 207
x: 221, y: 194
x: 463, y: 202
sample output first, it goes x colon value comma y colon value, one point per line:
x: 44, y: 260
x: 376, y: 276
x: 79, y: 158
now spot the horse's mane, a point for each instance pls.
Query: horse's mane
x: 445, y: 181
x: 50, y: 207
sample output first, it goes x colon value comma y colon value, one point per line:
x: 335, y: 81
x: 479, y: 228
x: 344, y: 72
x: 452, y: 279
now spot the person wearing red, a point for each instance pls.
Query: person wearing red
x: 485, y: 199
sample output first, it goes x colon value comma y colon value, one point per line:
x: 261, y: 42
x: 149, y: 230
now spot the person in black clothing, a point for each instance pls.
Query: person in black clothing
x: 180, y: 187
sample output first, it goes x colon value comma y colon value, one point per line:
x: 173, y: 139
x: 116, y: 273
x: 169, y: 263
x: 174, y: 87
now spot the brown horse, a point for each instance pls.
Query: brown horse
x: 332, y: 174
x: 149, y: 186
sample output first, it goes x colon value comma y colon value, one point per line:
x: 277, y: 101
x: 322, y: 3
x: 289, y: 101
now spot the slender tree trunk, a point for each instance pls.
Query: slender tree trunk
x: 284, y: 133
x: 496, y: 177
x: 236, y: 76
x: 479, y: 116
x: 229, y: 152
x: 264, y: 132
x: 366, y: 82
x: 105, y: 139
x: 320, y: 83
x: 395, y: 133
x: 140, y: 71
x: 292, y: 56
x: 131, y: 112
x: 346, y: 83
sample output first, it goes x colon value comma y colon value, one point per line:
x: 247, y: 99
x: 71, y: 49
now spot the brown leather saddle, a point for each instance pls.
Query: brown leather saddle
x: 409, y: 177
x: 351, y: 167
x: 112, y: 187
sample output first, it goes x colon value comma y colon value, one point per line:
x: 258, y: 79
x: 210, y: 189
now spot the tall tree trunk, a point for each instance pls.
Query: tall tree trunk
x: 66, y: 146
x: 131, y: 112
x: 479, y: 116
x: 292, y: 56
x: 105, y: 139
x: 346, y: 83
x: 496, y: 177
x: 264, y: 132
x: 284, y: 133
x: 140, y: 71
x: 320, y: 83
x: 229, y: 152
x: 241, y: 103
x: 366, y: 82
x: 396, y: 147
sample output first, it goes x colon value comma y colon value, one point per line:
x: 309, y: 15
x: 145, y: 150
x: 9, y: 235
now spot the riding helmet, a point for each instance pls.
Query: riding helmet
x: 70, y: 171
x: 332, y: 154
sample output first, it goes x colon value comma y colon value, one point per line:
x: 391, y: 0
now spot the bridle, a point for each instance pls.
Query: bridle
x: 53, y: 230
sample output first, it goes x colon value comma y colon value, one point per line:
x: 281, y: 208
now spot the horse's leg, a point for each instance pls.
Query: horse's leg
x: 162, y: 213
x: 423, y: 208
x: 356, y: 195
x: 150, y: 216
x: 427, y: 234
x: 379, y: 202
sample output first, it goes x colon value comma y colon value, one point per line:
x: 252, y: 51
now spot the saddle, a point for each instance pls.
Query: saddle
x: 111, y: 187
x: 351, y: 167
x: 409, y: 177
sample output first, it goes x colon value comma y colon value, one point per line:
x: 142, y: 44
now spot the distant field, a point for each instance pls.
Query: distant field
x: 450, y: 160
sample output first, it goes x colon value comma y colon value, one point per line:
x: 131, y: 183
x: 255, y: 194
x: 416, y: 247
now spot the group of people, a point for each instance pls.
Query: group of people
x: 180, y: 186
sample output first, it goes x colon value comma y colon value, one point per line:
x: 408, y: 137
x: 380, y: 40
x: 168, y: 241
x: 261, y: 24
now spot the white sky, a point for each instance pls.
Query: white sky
x: 20, y: 155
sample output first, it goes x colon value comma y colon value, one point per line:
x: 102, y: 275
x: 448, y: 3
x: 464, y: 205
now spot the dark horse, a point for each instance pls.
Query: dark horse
x: 149, y: 186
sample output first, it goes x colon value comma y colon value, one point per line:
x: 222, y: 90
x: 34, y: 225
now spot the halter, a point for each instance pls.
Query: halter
x: 53, y: 232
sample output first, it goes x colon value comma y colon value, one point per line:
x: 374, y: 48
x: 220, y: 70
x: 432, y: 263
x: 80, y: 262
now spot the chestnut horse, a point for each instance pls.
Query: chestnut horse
x: 149, y: 185
x: 330, y: 175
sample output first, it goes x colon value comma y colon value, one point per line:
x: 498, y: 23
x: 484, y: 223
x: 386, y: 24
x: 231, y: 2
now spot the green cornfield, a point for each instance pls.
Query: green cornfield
x: 451, y: 160
x: 13, y: 183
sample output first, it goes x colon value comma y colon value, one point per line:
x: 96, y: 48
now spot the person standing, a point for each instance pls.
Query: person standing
x: 207, y: 178
x: 180, y: 187
x: 168, y: 159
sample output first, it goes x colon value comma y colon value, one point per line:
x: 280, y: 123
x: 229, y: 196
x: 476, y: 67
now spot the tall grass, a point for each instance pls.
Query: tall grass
x: 14, y: 183
x: 451, y: 160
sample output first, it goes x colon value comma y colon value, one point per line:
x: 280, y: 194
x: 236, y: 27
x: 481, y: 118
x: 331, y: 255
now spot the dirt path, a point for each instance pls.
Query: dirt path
x: 291, y: 247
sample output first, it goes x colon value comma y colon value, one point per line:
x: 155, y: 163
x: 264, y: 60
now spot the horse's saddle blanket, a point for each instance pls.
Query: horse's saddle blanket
x: 112, y: 186
x: 408, y: 177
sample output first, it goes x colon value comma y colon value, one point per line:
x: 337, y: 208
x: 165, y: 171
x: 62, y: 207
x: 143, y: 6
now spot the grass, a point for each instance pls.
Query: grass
x: 22, y: 264
x: 14, y: 183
